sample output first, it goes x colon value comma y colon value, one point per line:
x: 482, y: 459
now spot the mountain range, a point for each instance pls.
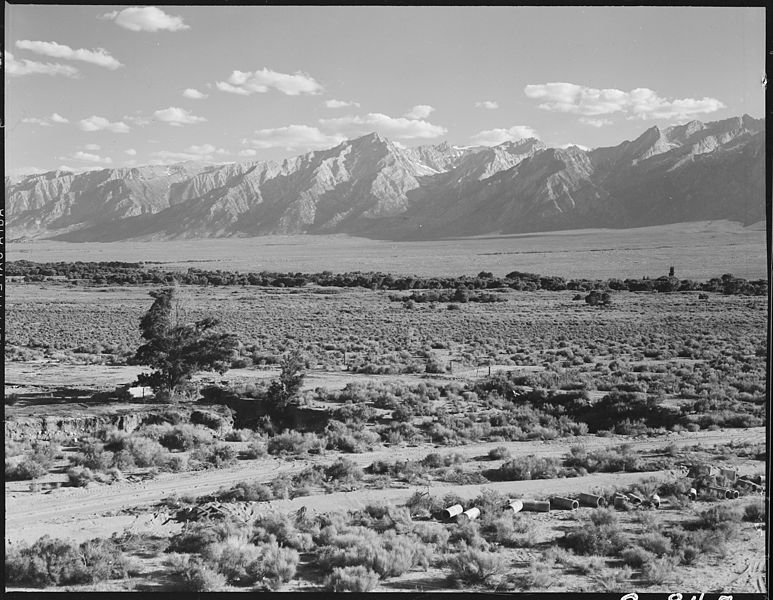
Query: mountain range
x: 375, y: 188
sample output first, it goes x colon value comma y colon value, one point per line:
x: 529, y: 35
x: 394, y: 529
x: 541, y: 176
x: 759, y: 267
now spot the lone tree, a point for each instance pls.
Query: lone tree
x: 177, y: 350
x: 282, y: 391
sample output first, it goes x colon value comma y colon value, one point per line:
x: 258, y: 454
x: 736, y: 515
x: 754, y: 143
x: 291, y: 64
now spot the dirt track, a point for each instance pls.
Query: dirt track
x: 28, y: 512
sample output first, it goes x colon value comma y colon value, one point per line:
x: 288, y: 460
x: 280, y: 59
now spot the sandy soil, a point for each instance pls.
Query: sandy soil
x: 95, y: 510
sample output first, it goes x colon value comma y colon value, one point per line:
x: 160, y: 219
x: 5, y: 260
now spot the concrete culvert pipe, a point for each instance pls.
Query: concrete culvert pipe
x: 693, y: 494
x: 592, y: 500
x: 728, y: 494
x: 468, y: 515
x: 635, y: 498
x: 514, y: 505
x: 736, y: 493
x: 564, y: 503
x: 747, y: 483
x: 451, y: 512
x: 621, y: 502
x: 536, y: 505
x: 655, y: 500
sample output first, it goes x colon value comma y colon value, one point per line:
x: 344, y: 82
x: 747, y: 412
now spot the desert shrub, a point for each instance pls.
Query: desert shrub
x: 185, y: 437
x: 636, y: 557
x: 389, y: 554
x: 47, y: 562
x: 605, y: 461
x: 92, y: 455
x: 755, y: 512
x: 351, y: 579
x: 718, y: 516
x: 509, y: 529
x: 659, y: 570
x: 468, y: 534
x: 604, y: 516
x: 600, y: 540
x: 217, y: 456
x: 476, y: 567
x: 231, y: 557
x: 423, y: 503
x: 256, y: 449
x: 51, y: 561
x: 80, y: 476
x: 196, y: 574
x: 432, y: 533
x: 294, y: 442
x: 656, y: 543
x: 146, y: 452
x: 344, y: 471
x: 208, y: 419
x: 350, y: 437
x: 283, y: 529
x: 538, y: 576
x: 528, y: 467
x: 435, y: 460
x: 26, y: 469
x: 250, y: 492
x: 196, y: 536
x: 499, y: 453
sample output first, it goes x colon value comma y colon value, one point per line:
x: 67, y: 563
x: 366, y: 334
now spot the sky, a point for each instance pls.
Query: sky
x: 120, y: 86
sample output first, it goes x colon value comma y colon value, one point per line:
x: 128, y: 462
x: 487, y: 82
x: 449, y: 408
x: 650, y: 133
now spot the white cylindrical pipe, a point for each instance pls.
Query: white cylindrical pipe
x: 451, y: 512
x: 656, y: 500
x: 469, y: 515
x: 515, y: 506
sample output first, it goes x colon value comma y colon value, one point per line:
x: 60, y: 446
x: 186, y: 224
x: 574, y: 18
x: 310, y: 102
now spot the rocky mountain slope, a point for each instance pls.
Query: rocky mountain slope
x: 372, y: 187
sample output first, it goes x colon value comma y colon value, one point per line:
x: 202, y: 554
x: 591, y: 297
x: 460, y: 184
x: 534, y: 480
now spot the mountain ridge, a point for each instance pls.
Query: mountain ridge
x: 371, y: 186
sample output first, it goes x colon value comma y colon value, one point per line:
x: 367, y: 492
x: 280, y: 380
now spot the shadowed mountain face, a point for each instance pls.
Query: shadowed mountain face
x: 372, y: 187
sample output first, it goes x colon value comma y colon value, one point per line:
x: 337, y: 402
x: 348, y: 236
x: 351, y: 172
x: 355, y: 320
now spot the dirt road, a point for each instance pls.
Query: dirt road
x: 27, y: 511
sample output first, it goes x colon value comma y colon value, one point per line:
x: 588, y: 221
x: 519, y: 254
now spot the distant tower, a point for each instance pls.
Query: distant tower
x: 671, y: 272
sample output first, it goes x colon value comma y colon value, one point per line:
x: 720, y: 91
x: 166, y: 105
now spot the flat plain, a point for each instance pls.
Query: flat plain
x: 697, y: 250
x: 410, y: 408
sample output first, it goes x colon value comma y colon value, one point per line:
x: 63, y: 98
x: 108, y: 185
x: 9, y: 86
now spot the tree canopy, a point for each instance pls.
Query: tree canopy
x: 177, y: 350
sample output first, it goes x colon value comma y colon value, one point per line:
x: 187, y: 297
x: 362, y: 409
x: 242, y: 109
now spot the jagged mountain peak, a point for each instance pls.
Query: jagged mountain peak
x: 372, y: 186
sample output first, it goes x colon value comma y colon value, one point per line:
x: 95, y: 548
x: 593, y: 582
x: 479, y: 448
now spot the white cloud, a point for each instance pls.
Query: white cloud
x: 94, y: 158
x: 36, y: 121
x: 420, y: 111
x: 92, y: 147
x: 642, y: 103
x: 489, y: 104
x: 137, y: 119
x: 130, y: 152
x: 177, y: 116
x: 204, y: 152
x: 95, y: 123
x: 341, y: 104
x: 146, y: 18
x: 100, y: 56
x: 248, y: 152
x: 395, y: 127
x: 494, y: 137
x: 45, y: 121
x: 194, y: 94
x: 293, y: 137
x: 595, y: 122
x: 18, y: 68
x: 250, y: 82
